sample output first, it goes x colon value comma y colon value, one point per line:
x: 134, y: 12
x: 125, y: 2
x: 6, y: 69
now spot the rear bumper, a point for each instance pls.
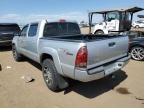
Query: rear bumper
x: 5, y: 42
x: 101, y: 71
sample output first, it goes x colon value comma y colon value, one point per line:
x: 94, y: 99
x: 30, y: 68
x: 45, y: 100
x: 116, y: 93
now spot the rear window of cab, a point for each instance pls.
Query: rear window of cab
x: 55, y: 29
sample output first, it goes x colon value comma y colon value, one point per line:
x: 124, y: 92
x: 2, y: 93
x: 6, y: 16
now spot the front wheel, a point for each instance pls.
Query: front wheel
x: 137, y: 53
x: 16, y: 55
x: 99, y: 32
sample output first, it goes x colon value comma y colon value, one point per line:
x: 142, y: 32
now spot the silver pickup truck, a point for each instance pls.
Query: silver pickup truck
x: 64, y: 52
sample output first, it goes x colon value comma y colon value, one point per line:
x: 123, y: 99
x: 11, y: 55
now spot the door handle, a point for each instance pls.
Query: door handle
x: 111, y: 44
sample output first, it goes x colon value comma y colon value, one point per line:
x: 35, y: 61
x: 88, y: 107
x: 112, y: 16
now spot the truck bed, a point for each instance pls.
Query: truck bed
x: 101, y: 48
x: 82, y: 37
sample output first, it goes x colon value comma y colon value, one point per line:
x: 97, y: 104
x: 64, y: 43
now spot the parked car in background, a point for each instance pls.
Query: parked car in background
x: 136, y: 47
x: 7, y: 31
x: 138, y: 24
x: 64, y: 52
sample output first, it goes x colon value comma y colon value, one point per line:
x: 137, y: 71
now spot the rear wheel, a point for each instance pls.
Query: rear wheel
x: 137, y: 53
x: 53, y: 80
x: 16, y: 55
x: 99, y: 32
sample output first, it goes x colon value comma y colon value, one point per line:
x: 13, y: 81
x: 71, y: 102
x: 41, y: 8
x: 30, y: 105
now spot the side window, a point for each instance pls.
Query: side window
x: 24, y: 31
x: 112, y: 16
x: 33, y: 30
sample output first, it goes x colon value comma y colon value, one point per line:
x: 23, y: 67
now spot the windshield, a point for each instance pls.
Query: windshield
x: 63, y: 28
x: 9, y: 28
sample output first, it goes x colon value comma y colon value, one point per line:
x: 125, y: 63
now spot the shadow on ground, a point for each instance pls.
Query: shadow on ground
x: 6, y: 48
x: 35, y: 64
x: 98, y: 87
x: 94, y: 88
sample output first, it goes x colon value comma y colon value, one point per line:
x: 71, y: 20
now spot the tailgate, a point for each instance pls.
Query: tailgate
x: 104, y: 51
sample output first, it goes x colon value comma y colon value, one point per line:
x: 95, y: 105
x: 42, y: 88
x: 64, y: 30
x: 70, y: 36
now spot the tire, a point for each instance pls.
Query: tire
x: 137, y: 53
x: 99, y: 32
x: 52, y: 79
x: 17, y: 57
x: 136, y: 26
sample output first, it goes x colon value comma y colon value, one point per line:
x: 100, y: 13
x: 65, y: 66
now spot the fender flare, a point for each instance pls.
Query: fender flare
x: 54, y: 54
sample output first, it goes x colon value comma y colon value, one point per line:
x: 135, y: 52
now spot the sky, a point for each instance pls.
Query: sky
x: 24, y: 11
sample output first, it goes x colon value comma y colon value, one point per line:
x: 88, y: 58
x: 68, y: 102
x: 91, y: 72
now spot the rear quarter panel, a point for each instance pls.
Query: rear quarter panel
x: 63, y: 53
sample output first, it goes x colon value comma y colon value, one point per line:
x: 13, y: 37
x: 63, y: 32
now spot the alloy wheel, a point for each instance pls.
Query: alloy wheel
x: 137, y: 53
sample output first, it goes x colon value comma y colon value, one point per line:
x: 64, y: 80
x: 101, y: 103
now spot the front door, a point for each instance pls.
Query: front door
x: 112, y: 21
x: 22, y: 39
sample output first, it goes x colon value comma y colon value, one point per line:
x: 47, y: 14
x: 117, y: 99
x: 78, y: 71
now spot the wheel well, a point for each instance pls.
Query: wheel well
x: 136, y: 25
x: 135, y: 46
x: 44, y: 56
x: 98, y: 30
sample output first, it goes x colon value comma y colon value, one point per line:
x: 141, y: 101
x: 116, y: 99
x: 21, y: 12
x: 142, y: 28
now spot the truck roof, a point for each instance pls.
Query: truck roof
x: 130, y: 9
x: 61, y: 20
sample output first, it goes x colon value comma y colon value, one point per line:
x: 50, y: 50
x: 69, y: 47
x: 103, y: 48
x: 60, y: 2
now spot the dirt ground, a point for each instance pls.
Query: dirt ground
x: 125, y: 91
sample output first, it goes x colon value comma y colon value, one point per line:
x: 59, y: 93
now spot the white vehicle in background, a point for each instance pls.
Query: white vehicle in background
x: 138, y: 24
x: 117, y: 20
x: 111, y: 23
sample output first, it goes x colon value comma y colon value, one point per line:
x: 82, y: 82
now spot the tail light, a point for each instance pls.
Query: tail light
x: 81, y: 58
x: 62, y: 20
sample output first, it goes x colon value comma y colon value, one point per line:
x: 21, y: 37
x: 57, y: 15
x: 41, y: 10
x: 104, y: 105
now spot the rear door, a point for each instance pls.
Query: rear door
x: 103, y: 51
x: 32, y: 41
